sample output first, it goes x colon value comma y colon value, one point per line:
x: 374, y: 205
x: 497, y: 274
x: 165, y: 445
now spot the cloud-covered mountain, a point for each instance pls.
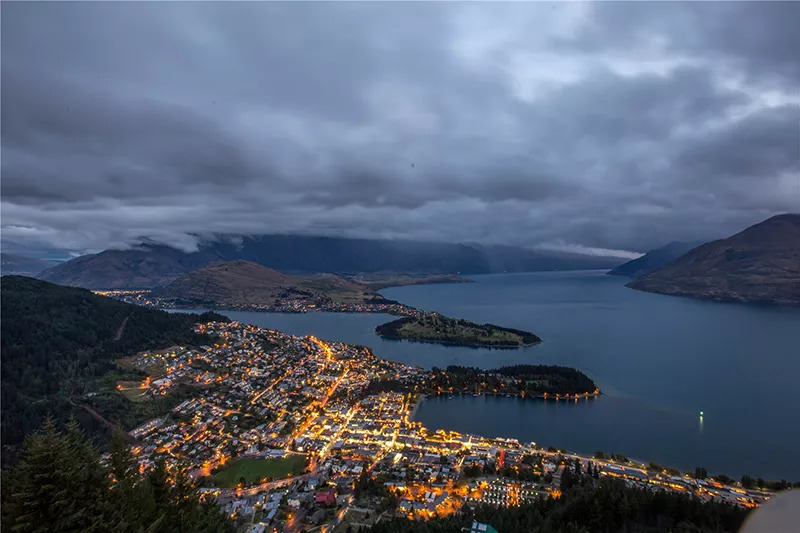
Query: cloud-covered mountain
x: 150, y: 265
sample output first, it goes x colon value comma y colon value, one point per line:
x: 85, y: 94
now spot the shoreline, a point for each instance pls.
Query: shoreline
x: 367, y: 312
x: 543, y: 397
x: 419, y: 401
x: 464, y: 344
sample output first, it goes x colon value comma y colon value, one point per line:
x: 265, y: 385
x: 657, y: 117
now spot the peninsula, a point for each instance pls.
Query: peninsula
x: 434, y: 327
x: 548, y: 382
x: 248, y: 286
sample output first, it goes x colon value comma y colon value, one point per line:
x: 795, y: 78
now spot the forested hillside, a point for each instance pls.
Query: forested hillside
x: 57, y: 341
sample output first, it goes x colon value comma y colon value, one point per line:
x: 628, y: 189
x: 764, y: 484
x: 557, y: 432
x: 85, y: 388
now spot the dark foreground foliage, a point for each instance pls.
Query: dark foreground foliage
x: 59, y: 342
x: 605, y: 507
x: 60, y: 485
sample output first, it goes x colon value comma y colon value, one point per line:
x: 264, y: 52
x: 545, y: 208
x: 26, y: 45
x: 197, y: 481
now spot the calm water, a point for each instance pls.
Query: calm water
x: 660, y: 360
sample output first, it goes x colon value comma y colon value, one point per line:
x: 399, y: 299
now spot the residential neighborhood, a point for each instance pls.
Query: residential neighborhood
x: 287, y: 434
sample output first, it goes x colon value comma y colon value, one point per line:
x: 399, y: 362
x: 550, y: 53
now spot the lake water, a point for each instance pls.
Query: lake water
x: 659, y: 361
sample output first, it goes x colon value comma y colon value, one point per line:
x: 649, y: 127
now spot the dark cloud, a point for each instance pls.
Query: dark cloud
x: 757, y: 39
x: 601, y: 125
x: 763, y: 144
x: 96, y: 144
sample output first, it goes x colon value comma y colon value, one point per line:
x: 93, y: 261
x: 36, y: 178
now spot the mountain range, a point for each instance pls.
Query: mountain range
x: 759, y: 264
x: 153, y: 265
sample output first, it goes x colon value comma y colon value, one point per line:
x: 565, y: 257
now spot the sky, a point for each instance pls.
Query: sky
x: 608, y: 128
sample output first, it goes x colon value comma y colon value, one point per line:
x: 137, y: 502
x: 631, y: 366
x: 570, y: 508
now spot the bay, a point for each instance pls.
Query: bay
x: 659, y: 361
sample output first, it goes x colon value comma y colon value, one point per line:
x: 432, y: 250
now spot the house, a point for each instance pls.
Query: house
x: 344, y: 485
x: 325, y: 498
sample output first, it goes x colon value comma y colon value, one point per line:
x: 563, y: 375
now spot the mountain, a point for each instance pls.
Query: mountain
x: 11, y: 264
x: 760, y: 264
x: 512, y: 259
x: 149, y: 265
x: 58, y: 342
x: 141, y: 267
x: 653, y: 260
x: 237, y: 283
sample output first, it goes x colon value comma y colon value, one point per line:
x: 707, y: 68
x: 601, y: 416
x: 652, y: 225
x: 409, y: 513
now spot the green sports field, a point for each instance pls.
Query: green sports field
x: 252, y: 470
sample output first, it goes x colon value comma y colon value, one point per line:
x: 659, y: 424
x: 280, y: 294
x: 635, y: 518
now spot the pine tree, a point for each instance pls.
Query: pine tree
x: 56, y: 485
x: 88, y: 509
x: 158, y: 490
x: 59, y: 485
x: 128, y: 499
x: 122, y: 462
x: 567, y: 479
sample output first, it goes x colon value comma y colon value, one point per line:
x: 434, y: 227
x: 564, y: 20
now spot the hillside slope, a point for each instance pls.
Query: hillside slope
x: 653, y: 260
x: 242, y: 283
x: 759, y: 264
x: 144, y: 266
x: 55, y: 340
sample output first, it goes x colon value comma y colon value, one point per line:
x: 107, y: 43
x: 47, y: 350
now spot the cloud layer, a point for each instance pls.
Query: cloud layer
x: 597, y: 126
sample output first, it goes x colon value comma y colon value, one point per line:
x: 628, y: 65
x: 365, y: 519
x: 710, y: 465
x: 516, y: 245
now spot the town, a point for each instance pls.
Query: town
x: 290, y: 433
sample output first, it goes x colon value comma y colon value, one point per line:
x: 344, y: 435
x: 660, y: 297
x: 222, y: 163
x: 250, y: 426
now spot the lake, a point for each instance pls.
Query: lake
x: 659, y: 361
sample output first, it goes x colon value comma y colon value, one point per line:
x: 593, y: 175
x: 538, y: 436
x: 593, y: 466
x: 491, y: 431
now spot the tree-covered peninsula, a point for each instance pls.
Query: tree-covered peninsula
x: 530, y: 380
x: 434, y: 327
x: 541, y: 381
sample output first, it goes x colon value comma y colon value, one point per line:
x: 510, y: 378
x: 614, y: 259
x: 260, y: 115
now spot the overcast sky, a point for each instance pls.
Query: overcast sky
x: 616, y: 126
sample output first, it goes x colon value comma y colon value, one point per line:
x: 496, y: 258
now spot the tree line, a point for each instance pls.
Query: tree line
x: 61, y: 484
x: 530, y: 379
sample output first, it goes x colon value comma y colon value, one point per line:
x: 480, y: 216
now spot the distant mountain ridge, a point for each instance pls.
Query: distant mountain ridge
x: 13, y: 264
x: 150, y: 265
x: 759, y: 264
x: 653, y: 259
